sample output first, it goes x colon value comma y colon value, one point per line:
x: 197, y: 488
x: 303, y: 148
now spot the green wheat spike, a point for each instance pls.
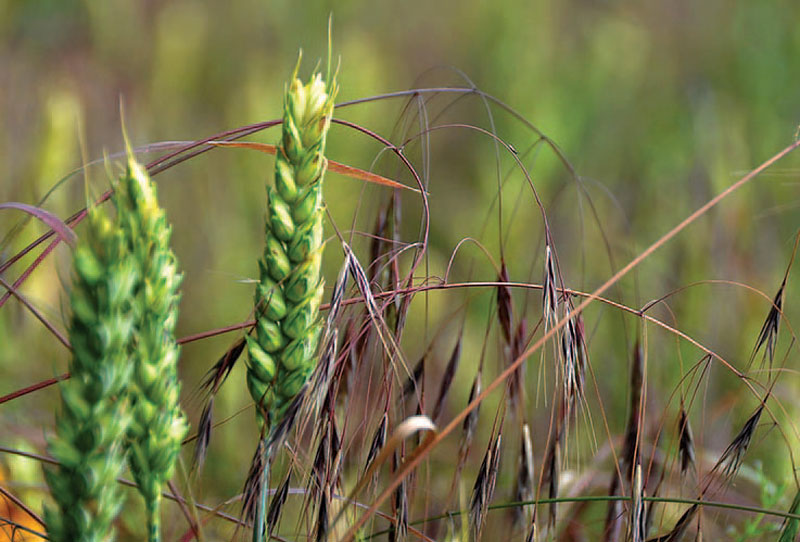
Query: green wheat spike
x: 282, y: 351
x: 88, y: 443
x: 158, y: 425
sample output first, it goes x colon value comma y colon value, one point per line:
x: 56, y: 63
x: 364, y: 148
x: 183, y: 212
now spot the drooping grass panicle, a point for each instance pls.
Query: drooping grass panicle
x: 276, y: 504
x: 631, y: 446
x: 158, y: 425
x: 677, y: 532
x: 549, y: 291
x: 523, y: 484
x: 88, y: 443
x: 731, y: 458
x: 685, y: 442
x: 214, y: 379
x: 483, y: 490
x: 447, y: 377
x: 768, y: 335
x: 399, y: 530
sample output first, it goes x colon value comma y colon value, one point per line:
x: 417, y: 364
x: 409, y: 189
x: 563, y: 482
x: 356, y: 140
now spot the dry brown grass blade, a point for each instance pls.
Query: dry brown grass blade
x: 336, y: 167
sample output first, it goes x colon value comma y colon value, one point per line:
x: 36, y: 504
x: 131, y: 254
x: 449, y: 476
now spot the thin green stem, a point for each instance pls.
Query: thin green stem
x: 259, y: 525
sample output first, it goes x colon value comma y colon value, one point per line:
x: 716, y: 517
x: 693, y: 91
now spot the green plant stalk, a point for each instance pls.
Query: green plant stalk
x: 281, y: 355
x: 88, y: 443
x: 158, y: 425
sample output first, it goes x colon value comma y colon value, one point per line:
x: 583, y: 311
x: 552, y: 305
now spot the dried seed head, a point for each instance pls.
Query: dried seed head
x: 731, y: 458
x: 523, y: 485
x: 549, y: 292
x: 471, y: 421
x: 483, y: 490
x: 505, y: 305
x: 552, y: 467
x: 378, y: 441
x: 447, y: 378
x: 677, y: 532
x: 635, y: 406
x: 686, y: 442
x: 573, y: 354
x: 768, y: 336
x: 276, y: 504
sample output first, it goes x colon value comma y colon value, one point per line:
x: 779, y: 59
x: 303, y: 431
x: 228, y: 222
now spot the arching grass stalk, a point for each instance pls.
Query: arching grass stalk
x: 281, y: 354
x: 158, y: 424
x: 88, y: 443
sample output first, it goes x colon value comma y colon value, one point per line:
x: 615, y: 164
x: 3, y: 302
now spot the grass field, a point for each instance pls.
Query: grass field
x: 575, y: 321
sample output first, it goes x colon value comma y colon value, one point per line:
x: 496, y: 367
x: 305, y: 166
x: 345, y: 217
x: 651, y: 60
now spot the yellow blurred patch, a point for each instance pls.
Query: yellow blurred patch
x: 12, y: 517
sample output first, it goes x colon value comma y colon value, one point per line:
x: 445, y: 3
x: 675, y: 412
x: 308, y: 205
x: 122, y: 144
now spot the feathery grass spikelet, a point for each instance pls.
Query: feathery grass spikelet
x: 686, y: 442
x: 378, y: 441
x: 447, y: 378
x: 523, y: 484
x: 549, y: 292
x: 677, y: 532
x: 276, y: 505
x: 214, y: 379
x: 483, y: 490
x: 88, y: 443
x: 158, y: 425
x: 399, y: 531
x: 287, y: 299
x: 731, y: 458
x: 768, y: 335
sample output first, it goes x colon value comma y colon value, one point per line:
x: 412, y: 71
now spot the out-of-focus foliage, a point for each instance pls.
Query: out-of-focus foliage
x: 658, y: 105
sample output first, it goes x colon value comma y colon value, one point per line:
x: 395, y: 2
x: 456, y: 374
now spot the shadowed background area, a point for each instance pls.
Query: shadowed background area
x: 657, y: 107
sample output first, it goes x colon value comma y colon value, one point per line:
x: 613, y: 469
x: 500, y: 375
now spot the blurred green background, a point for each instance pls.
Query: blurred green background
x: 657, y: 105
